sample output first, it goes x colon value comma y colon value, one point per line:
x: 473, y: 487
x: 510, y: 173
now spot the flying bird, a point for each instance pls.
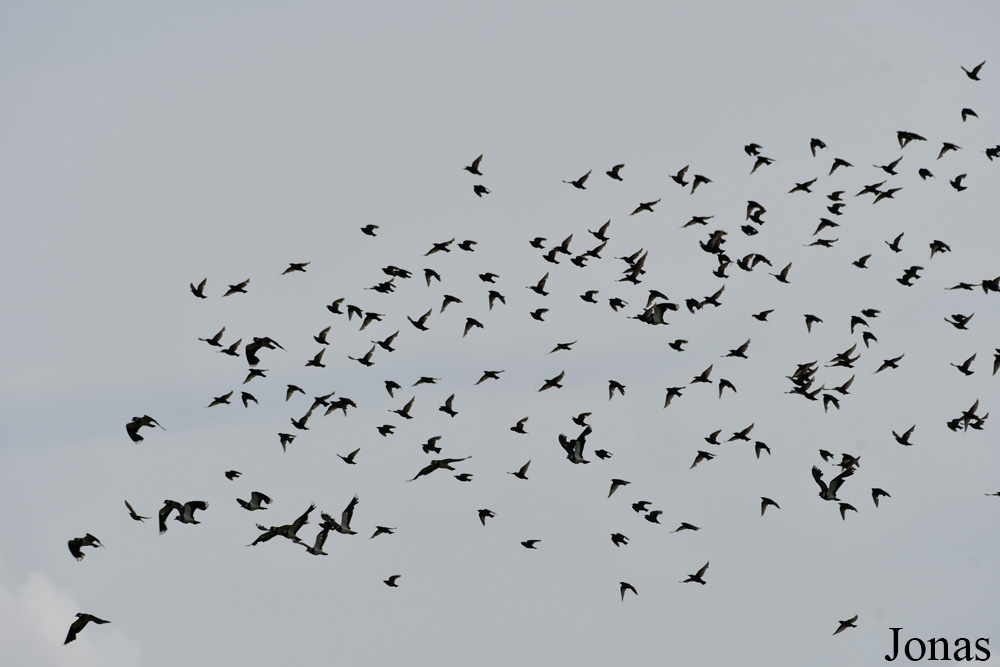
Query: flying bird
x: 697, y: 577
x: 974, y: 72
x: 77, y: 543
x: 132, y: 513
x: 849, y: 623
x: 256, y: 502
x: 474, y: 167
x: 80, y: 623
x: 578, y: 183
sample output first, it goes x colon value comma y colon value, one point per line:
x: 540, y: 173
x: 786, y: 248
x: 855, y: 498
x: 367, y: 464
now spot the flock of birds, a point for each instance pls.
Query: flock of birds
x: 804, y: 378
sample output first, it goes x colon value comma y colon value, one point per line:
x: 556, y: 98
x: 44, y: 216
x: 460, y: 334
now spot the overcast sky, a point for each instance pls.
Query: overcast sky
x: 144, y: 148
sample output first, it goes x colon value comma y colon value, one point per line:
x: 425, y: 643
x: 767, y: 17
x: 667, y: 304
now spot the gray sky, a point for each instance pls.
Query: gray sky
x: 146, y: 148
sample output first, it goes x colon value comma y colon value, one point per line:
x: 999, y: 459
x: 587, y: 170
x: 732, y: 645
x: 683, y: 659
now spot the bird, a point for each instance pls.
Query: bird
x: 553, y: 382
x: 349, y: 459
x: 974, y: 72
x: 966, y: 112
x: 220, y: 400
x: 697, y: 577
x: 256, y: 502
x: 849, y: 623
x: 653, y: 517
x: 240, y: 288
x: 879, y: 493
x: 764, y: 502
x: 702, y: 456
x: 539, y: 287
x: 578, y: 183
x: 617, y: 484
x: 703, y: 377
x: 625, y: 586
x: 814, y: 144
x: 640, y: 506
x: 391, y: 581
x: 474, y: 167
x: 296, y: 266
x: 489, y: 375
x: 957, y: 182
x: 891, y: 167
x: 614, y: 386
x: 480, y: 190
x: 894, y: 246
x: 830, y: 492
x: 286, y: 439
x: 80, y: 623
x: 447, y: 407
x: 344, y: 526
x: 645, y: 206
x: 890, y: 363
x: 185, y: 512
x: 288, y: 531
x: 133, y: 426
x: 485, y: 514
x: 672, y: 393
x: 199, y: 291
x: 698, y: 180
x: 382, y: 530
x: 77, y: 543
x: 685, y: 526
x: 810, y: 320
x: 404, y: 412
x: 440, y: 464
x: 904, y: 439
x: 618, y: 539
x: 837, y: 162
x: 615, y: 172
x: 530, y: 544
x: 522, y: 473
x: 316, y: 549
x: 216, y: 339
x: 132, y: 513
x: 964, y: 366
x: 519, y: 427
x: 803, y: 187
x: 369, y: 230
x: 679, y: 177
x: 317, y: 361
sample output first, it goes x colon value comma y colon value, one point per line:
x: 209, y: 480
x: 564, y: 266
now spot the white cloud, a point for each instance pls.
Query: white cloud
x: 34, y: 619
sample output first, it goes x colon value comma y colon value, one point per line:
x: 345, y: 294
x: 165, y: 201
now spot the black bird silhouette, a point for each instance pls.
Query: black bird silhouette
x: 678, y: 178
x: 256, y: 502
x: 438, y: 464
x: 764, y: 502
x: 199, y: 291
x: 849, y: 623
x: 578, y: 183
x: 830, y: 492
x: 974, y: 72
x: 615, y: 172
x: 80, y: 623
x: 957, y: 182
x: 474, y: 167
x: 480, y: 190
x: 697, y: 577
x: 369, y: 230
x: 132, y: 513
x: 238, y: 288
x: 77, y: 543
x: 814, y: 144
x: 133, y: 426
